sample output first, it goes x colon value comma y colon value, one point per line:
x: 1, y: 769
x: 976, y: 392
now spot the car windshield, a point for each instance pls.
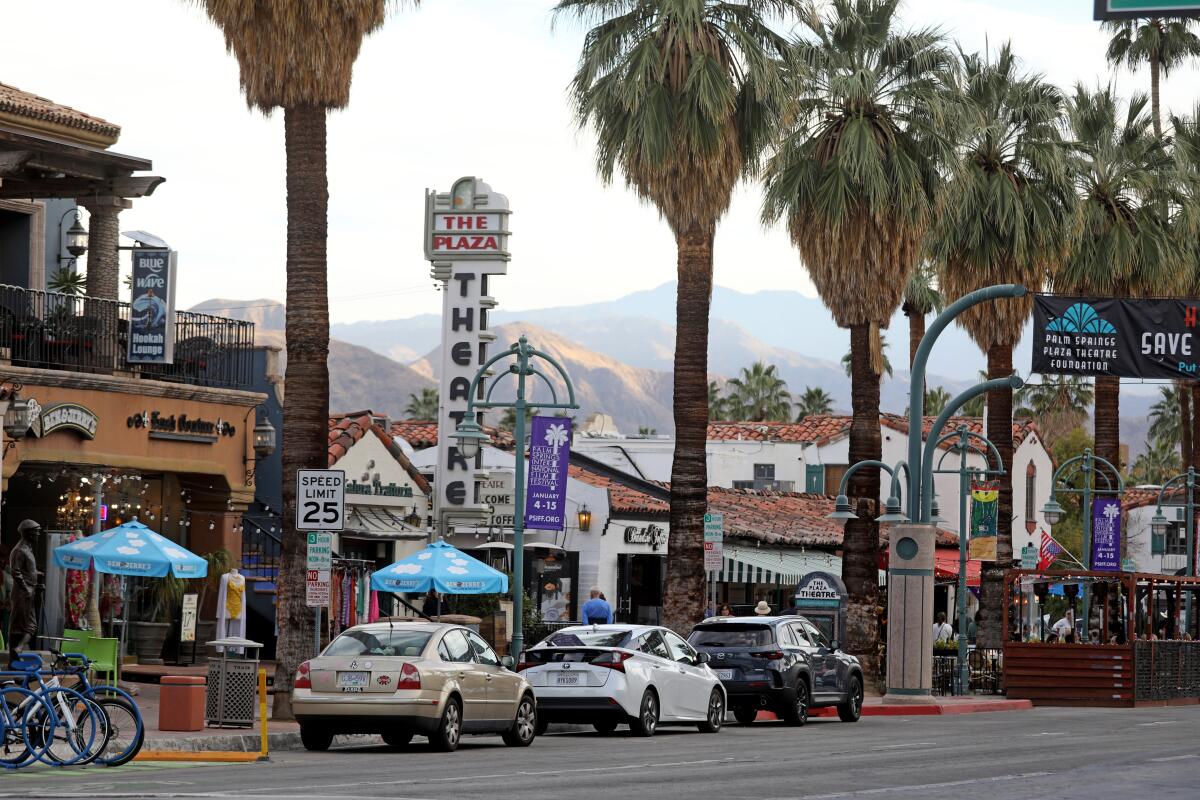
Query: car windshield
x: 379, y: 643
x: 587, y: 638
x: 732, y: 635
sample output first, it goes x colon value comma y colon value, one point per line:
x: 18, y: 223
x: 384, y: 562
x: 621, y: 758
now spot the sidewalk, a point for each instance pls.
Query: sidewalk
x: 280, y: 735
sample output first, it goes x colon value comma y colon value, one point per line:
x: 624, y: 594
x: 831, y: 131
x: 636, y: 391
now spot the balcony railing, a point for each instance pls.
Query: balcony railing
x: 86, y: 334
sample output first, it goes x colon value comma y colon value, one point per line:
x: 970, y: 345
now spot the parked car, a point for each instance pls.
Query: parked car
x: 401, y: 679
x: 607, y: 675
x: 781, y: 664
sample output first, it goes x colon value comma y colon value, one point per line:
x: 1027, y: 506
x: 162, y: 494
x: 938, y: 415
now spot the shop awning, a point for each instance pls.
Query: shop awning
x: 372, y: 522
x: 762, y: 565
x: 946, y: 566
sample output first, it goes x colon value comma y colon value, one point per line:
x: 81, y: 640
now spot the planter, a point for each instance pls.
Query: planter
x: 148, y: 638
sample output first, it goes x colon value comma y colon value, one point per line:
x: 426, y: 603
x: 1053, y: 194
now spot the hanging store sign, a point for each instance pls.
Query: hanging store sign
x: 152, y: 309
x: 652, y: 535
x: 466, y: 238
x: 1106, y: 534
x: 985, y: 504
x: 546, y: 491
x: 1154, y: 339
x: 67, y: 416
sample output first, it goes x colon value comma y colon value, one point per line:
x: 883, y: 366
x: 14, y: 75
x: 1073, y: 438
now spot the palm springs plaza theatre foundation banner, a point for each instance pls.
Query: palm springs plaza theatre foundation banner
x: 1153, y: 339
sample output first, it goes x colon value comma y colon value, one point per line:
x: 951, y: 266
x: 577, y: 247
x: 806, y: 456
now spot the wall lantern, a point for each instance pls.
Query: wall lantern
x: 585, y: 518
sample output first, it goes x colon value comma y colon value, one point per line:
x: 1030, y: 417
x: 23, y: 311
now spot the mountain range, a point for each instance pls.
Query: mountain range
x: 619, y: 353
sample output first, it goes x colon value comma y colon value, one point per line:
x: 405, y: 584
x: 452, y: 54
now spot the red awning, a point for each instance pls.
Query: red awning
x: 946, y: 566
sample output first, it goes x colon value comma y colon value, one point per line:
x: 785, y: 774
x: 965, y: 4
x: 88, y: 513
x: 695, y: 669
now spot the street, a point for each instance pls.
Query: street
x: 1046, y: 753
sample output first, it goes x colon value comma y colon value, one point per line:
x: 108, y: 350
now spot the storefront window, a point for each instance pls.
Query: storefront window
x: 550, y: 579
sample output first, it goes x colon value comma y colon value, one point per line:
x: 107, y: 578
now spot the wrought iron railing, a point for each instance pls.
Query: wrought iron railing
x: 986, y: 667
x: 86, y: 334
x: 261, y: 549
x: 1166, y: 670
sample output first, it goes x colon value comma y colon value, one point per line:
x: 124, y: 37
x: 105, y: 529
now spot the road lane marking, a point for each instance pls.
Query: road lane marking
x: 1175, y: 758
x: 906, y: 744
x: 1160, y: 722
x: 927, y: 786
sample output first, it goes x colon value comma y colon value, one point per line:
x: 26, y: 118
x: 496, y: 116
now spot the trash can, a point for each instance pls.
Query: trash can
x: 181, y: 703
x: 232, y: 683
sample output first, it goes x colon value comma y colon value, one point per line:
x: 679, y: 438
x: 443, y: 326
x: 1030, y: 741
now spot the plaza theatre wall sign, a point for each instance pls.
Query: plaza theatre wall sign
x: 1122, y: 338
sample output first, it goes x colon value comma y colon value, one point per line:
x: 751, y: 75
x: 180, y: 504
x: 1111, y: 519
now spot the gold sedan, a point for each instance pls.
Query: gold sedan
x: 399, y: 679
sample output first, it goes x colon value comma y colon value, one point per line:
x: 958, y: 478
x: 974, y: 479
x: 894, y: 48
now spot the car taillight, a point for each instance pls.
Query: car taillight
x: 769, y: 655
x: 614, y: 660
x: 523, y: 662
x: 303, y: 677
x: 410, y: 678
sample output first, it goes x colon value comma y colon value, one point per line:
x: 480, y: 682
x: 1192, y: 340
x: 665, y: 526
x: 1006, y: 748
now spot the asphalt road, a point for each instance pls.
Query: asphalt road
x: 1045, y: 753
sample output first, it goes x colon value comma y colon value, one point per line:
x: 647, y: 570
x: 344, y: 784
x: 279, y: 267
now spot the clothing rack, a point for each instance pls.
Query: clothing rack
x: 353, y: 604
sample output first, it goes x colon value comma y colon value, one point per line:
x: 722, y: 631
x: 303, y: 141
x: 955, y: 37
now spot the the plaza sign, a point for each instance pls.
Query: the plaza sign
x: 1134, y: 9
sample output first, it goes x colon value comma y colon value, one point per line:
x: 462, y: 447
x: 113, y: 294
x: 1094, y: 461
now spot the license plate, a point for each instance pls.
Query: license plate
x: 353, y: 680
x: 725, y: 674
x: 566, y: 679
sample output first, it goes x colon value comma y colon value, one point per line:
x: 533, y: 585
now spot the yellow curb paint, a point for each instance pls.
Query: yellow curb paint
x: 214, y: 756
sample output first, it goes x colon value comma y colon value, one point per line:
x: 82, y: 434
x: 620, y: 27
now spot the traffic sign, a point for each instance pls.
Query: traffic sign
x: 320, y: 499
x: 1029, y: 557
x: 1134, y: 9
x: 714, y: 541
x: 318, y: 579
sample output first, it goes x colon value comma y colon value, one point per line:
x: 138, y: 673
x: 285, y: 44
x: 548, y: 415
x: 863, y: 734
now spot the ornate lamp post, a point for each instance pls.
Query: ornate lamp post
x: 471, y: 437
x: 1159, y: 526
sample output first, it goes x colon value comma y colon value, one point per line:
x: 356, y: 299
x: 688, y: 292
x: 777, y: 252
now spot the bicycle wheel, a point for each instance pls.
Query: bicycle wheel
x: 124, y: 733
x: 69, y: 728
x: 15, y: 748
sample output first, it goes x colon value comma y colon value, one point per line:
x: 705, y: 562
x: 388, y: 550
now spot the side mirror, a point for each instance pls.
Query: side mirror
x: 702, y: 658
x: 508, y: 662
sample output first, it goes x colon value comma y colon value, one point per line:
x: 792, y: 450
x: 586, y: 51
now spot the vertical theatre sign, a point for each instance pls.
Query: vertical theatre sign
x: 152, y: 309
x: 466, y: 240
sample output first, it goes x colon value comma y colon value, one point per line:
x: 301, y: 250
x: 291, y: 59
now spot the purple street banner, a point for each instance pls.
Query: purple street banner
x: 1106, y: 534
x: 546, y: 490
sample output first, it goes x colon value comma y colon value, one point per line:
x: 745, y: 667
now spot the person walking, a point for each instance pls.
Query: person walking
x: 433, y: 606
x: 596, y: 611
x: 941, y: 629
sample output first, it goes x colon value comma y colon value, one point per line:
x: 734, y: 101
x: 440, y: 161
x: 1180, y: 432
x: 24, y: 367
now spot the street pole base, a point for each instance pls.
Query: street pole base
x: 892, y: 698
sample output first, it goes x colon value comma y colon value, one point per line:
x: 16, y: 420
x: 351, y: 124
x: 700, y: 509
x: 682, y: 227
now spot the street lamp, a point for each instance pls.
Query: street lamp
x: 471, y: 437
x: 1053, y: 512
x: 585, y: 518
x: 76, y: 236
x: 893, y: 510
x: 264, y: 438
x: 1159, y: 527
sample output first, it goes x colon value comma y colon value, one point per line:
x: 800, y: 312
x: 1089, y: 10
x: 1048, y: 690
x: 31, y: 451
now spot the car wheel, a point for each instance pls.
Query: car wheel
x: 716, y: 713
x: 449, y: 729
x: 851, y: 710
x: 315, y: 739
x: 797, y: 714
x: 524, y: 727
x: 605, y: 726
x: 745, y: 716
x: 397, y: 739
x: 647, y: 718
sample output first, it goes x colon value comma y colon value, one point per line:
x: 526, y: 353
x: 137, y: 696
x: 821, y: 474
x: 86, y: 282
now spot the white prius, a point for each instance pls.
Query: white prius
x: 608, y: 675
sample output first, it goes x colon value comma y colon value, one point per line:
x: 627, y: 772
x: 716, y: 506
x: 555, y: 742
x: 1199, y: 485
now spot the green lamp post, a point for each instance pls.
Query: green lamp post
x: 1159, y: 526
x: 471, y: 436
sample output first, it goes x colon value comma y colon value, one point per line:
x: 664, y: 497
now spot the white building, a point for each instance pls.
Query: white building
x: 1165, y: 555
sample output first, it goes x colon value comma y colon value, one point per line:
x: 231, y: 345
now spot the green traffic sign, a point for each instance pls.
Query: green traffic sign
x: 1133, y: 9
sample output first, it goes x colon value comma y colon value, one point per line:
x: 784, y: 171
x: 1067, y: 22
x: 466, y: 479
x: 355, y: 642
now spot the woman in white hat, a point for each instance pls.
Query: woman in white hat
x: 762, y: 609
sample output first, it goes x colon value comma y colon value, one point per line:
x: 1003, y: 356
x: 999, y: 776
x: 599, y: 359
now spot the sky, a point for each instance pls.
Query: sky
x: 456, y: 87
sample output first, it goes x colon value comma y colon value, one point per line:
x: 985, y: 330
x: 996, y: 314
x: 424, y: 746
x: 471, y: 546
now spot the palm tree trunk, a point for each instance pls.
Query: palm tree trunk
x: 1182, y: 389
x: 684, y: 598
x: 999, y: 430
x: 916, y: 332
x: 1155, y: 108
x: 1108, y: 419
x: 1194, y: 388
x: 860, y: 547
x: 306, y: 383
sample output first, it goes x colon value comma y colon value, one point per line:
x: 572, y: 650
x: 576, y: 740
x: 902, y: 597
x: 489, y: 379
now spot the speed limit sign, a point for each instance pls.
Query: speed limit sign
x: 320, y: 499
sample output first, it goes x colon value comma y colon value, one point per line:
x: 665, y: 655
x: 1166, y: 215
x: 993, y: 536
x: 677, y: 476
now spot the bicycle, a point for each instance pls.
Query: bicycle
x: 15, y: 748
x: 65, y: 728
x: 125, y: 727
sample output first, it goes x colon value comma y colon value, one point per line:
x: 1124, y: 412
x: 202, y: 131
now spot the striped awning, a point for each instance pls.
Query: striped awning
x: 761, y: 565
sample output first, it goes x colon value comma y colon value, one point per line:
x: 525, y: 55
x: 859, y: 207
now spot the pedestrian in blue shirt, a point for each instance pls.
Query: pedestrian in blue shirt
x: 597, y: 611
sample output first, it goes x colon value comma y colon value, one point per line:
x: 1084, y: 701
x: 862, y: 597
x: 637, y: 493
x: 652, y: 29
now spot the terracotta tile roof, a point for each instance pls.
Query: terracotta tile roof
x: 423, y: 433
x: 1021, y: 428
x: 815, y: 429
x: 622, y: 499
x: 346, y: 430
x: 30, y: 106
x: 1143, y: 496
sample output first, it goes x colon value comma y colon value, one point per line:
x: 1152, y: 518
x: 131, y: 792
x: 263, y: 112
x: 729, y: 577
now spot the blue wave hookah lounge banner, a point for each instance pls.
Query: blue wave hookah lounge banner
x: 1122, y: 338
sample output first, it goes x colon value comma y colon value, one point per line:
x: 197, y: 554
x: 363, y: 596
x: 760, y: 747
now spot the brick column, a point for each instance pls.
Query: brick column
x: 102, y: 256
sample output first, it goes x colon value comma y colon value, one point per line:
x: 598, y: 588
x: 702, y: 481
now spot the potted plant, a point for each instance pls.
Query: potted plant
x: 148, y: 636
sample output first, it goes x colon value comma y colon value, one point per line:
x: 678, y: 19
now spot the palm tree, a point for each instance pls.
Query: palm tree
x: 683, y: 97
x: 717, y: 405
x: 1166, y: 426
x: 68, y: 281
x: 1124, y: 245
x: 855, y: 177
x: 1186, y: 225
x: 848, y: 359
x: 815, y: 401
x: 1162, y: 44
x: 758, y: 394
x: 299, y: 57
x: 921, y: 298
x: 1159, y: 463
x: 1058, y: 403
x: 423, y: 406
x: 936, y: 400
x: 1003, y: 219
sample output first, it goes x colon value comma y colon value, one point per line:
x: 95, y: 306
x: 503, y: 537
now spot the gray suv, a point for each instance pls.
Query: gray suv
x: 781, y: 664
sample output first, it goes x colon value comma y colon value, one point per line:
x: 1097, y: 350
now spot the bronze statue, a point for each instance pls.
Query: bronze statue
x: 22, y: 564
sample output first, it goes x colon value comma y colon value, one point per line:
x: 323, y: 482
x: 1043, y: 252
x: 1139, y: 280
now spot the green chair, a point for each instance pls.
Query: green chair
x: 79, y: 645
x: 103, y: 655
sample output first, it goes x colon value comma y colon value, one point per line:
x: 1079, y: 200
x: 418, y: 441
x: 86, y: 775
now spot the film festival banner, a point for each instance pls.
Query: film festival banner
x: 549, y: 452
x: 1153, y: 339
x: 985, y: 504
x: 1106, y: 534
x: 152, y: 310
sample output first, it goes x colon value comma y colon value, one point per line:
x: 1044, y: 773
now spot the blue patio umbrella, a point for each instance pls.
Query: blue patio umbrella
x: 442, y: 567
x: 133, y: 550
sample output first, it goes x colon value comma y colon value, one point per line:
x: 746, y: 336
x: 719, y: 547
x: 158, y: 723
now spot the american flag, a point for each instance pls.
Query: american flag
x: 1049, y: 551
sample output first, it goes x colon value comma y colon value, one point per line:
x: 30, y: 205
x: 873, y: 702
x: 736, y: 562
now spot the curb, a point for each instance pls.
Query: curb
x: 930, y: 710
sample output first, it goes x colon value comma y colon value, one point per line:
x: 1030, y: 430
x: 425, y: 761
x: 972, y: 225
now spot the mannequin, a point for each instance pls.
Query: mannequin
x: 231, y: 605
x: 23, y: 565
